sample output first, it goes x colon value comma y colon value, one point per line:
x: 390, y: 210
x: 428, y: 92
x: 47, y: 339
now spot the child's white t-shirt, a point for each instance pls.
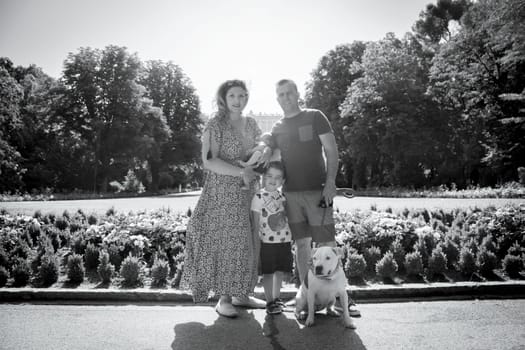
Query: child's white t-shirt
x: 273, y: 223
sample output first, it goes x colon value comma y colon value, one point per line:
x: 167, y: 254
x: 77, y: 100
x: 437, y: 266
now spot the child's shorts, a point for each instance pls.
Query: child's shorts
x: 276, y: 257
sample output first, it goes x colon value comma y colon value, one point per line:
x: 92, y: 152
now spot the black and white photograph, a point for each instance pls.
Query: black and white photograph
x: 262, y: 174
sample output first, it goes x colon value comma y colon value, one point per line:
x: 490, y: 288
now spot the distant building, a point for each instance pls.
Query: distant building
x: 265, y: 121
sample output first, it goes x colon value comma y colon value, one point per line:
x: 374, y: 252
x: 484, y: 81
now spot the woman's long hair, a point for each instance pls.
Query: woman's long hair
x: 220, y: 98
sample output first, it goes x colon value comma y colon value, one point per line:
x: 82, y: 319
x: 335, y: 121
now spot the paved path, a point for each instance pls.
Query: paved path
x: 450, y: 325
x: 181, y: 203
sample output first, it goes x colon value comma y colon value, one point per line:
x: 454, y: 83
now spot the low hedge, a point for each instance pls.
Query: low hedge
x: 415, y: 241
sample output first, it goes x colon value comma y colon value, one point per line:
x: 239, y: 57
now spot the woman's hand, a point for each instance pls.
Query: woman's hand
x: 249, y: 173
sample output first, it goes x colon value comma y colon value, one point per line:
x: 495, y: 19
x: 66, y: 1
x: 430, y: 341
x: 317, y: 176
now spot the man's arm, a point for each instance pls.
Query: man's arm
x: 332, y: 164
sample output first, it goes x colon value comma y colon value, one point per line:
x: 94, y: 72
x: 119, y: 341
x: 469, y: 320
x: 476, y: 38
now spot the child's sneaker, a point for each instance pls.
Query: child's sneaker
x: 272, y: 308
x: 279, y: 302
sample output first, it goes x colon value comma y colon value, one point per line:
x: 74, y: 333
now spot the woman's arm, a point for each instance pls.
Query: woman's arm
x: 214, y: 163
x: 255, y: 220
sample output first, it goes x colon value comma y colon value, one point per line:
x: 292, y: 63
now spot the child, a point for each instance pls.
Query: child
x: 269, y: 222
x: 253, y: 157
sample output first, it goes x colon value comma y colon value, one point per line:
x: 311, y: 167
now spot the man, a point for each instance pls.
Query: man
x: 306, y: 143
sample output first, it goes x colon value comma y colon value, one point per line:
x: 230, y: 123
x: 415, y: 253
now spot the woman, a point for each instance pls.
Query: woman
x: 220, y: 247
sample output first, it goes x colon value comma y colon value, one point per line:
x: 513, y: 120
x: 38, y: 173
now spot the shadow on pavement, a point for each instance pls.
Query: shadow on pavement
x: 279, y: 332
x: 243, y: 332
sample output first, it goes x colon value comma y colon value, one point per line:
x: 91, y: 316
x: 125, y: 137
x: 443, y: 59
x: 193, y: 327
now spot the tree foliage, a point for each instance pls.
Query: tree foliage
x: 327, y: 89
x: 481, y: 73
x: 172, y: 92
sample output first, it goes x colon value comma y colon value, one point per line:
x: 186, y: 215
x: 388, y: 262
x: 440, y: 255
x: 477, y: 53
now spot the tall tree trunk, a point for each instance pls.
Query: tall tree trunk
x: 154, y: 167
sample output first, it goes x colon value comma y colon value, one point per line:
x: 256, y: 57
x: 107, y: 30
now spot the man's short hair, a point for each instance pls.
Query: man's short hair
x: 287, y: 81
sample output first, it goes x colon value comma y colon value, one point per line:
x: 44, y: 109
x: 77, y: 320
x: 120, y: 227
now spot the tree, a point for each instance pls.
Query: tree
x: 434, y: 24
x: 10, y: 96
x: 109, y: 109
x: 171, y: 91
x: 327, y: 89
x: 481, y: 72
x: 393, y: 127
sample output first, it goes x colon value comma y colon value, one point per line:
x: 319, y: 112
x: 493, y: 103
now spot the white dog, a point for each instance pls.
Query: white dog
x: 324, y: 282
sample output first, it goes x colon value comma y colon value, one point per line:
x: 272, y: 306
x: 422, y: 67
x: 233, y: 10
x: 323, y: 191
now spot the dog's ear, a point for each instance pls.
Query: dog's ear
x: 313, y: 251
x: 339, y: 251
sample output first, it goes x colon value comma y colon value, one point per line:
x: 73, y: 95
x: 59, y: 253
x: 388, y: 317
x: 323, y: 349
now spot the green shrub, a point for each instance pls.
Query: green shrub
x: 372, y: 256
x: 20, y: 250
x: 399, y: 252
x: 387, y: 266
x: 21, y: 272
x: 130, y: 271
x: 165, y: 180
x: 75, y: 226
x: 79, y: 244
x: 437, y: 263
x: 4, y: 275
x: 451, y: 251
x: 92, y: 219
x: 467, y: 262
x: 34, y: 230
x: 160, y: 272
x: 516, y: 249
x: 521, y: 175
x: 421, y: 247
x: 111, y: 211
x: 105, y: 269
x: 486, y: 261
x: 49, y: 269
x: 355, y: 265
x: 488, y: 244
x: 4, y: 258
x: 91, y: 257
x: 61, y: 223
x: 75, y: 268
x: 471, y: 245
x: 114, y: 256
x: 512, y: 265
x: 414, y: 263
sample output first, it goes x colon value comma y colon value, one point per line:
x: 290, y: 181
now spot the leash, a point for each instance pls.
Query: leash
x: 343, y: 191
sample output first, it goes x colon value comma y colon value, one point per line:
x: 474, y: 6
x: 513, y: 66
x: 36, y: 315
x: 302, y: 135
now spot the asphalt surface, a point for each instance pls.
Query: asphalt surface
x: 468, y: 324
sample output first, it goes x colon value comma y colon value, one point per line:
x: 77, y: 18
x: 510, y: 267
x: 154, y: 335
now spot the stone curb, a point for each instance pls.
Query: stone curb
x: 366, y: 294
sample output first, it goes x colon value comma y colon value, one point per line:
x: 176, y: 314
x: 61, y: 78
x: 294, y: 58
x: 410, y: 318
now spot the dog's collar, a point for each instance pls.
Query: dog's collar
x: 323, y: 277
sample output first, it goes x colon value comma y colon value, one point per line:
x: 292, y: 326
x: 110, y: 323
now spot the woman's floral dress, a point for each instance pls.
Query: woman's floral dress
x: 219, y: 243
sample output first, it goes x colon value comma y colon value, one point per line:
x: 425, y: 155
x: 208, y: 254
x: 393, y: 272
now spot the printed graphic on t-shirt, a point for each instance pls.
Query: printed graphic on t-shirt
x: 274, y: 226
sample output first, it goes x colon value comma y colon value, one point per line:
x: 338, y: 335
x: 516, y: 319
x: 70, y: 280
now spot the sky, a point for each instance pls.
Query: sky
x: 258, y: 41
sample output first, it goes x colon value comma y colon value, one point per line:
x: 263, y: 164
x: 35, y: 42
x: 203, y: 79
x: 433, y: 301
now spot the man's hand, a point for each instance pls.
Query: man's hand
x: 329, y: 192
x: 265, y: 157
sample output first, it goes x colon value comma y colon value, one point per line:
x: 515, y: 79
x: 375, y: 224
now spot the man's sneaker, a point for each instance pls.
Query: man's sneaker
x: 352, y: 309
x: 272, y: 308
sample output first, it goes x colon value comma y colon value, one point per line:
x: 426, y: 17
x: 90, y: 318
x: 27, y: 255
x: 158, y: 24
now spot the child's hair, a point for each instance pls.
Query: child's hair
x: 276, y: 165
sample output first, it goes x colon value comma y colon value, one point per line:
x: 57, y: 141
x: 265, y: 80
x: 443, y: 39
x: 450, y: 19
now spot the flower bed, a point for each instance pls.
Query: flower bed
x: 146, y: 249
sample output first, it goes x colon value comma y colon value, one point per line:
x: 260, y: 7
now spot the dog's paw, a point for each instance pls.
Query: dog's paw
x: 301, y: 316
x: 349, y: 323
x: 309, y: 322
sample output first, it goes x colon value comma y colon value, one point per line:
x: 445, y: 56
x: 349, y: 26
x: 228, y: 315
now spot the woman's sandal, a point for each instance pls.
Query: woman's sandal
x: 226, y: 310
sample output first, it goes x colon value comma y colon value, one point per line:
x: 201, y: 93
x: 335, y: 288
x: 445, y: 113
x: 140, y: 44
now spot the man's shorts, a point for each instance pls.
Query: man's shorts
x: 307, y: 219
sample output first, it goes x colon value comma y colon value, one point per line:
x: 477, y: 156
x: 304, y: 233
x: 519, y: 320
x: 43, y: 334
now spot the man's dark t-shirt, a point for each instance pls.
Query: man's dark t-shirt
x: 301, y: 149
